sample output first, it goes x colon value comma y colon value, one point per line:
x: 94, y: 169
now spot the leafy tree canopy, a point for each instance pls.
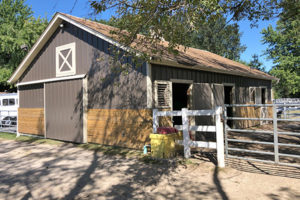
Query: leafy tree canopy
x: 177, y: 20
x: 214, y: 35
x: 18, y: 32
x: 284, y: 49
x: 256, y: 63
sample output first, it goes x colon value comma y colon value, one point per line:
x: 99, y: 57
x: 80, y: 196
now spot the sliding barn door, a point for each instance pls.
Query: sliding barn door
x: 218, y: 94
x: 64, y: 110
x: 202, y: 100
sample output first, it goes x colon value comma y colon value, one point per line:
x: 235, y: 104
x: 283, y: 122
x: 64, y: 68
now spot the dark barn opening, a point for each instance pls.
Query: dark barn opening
x: 228, y: 99
x: 263, y: 95
x: 180, y: 99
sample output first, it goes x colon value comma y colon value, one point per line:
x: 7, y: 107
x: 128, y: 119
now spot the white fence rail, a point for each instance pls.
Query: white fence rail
x: 186, y: 127
x: 287, y: 100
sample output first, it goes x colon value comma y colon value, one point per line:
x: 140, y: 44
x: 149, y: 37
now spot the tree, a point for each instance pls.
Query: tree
x: 255, y: 63
x: 213, y: 35
x: 216, y: 36
x: 284, y: 49
x: 18, y: 32
x: 176, y: 20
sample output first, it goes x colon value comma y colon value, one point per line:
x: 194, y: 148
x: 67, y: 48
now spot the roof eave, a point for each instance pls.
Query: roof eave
x: 50, y: 29
x: 209, y: 69
x: 52, y: 26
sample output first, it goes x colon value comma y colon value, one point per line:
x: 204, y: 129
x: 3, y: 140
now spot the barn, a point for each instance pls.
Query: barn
x: 69, y: 91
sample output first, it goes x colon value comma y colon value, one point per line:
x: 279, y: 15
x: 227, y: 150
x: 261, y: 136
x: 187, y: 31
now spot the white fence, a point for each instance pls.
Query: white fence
x: 186, y: 127
x: 287, y: 107
x: 287, y: 100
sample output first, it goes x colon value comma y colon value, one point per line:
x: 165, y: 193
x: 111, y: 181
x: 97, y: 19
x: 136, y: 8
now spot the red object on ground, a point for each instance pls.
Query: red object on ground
x: 166, y: 130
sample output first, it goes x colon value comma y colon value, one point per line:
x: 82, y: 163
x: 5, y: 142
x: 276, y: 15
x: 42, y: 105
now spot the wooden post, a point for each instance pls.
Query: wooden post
x: 220, y: 138
x: 186, y: 136
x: 155, y: 120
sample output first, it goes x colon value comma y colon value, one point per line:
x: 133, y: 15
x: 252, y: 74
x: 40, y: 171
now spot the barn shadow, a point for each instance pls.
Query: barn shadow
x: 92, y: 175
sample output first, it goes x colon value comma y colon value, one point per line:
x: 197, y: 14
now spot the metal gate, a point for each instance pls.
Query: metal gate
x: 8, y: 121
x: 268, y: 140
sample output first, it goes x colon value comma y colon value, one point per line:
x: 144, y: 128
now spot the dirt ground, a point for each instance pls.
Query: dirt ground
x: 43, y: 171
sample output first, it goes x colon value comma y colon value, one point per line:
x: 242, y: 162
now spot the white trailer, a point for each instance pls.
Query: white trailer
x: 9, y: 104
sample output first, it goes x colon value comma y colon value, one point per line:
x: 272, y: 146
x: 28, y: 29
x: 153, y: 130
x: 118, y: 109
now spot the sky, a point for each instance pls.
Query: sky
x: 251, y: 37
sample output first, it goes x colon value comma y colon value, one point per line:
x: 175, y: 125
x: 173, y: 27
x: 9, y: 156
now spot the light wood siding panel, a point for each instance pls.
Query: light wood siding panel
x: 120, y: 127
x: 31, y: 121
x: 31, y: 96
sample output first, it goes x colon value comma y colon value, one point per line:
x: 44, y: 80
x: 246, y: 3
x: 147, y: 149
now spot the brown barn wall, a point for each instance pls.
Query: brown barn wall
x: 31, y: 121
x: 43, y: 66
x: 108, y: 87
x: 160, y: 72
x: 120, y: 127
x: 242, y: 85
x: 31, y: 96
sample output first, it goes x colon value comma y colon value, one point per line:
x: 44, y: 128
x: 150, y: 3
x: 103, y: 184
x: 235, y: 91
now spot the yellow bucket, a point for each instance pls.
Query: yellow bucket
x: 163, y: 146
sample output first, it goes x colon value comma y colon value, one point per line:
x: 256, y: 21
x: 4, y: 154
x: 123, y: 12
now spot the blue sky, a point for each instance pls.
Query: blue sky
x: 251, y: 36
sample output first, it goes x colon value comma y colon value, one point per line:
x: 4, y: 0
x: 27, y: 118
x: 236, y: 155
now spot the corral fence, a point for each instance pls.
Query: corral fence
x: 276, y: 141
x: 8, y: 121
x: 284, y: 108
x: 186, y: 128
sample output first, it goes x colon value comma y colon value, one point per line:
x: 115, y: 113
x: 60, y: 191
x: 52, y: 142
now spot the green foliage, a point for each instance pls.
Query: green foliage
x: 288, y: 85
x: 256, y: 64
x: 216, y: 36
x: 284, y: 49
x: 176, y: 20
x: 17, y: 27
x: 213, y: 35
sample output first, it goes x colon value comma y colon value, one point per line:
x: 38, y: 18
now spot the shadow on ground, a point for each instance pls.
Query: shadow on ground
x: 41, y: 171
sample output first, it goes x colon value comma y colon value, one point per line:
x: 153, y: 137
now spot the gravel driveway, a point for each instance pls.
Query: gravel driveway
x: 40, y: 171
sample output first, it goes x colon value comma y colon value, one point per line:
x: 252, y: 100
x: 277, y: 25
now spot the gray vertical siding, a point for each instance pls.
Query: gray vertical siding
x: 64, y: 110
x: 31, y: 96
x: 107, y: 88
x: 43, y: 66
x: 160, y: 72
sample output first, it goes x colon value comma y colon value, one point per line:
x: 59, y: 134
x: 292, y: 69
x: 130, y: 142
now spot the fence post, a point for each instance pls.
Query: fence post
x: 225, y: 130
x: 276, y: 159
x: 155, y: 120
x: 186, y: 135
x: 284, y: 110
x: 220, y: 138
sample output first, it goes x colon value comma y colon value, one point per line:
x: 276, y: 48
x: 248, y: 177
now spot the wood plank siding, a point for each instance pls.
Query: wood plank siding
x: 64, y: 110
x: 31, y: 96
x: 160, y: 72
x: 31, y: 121
x: 120, y: 127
